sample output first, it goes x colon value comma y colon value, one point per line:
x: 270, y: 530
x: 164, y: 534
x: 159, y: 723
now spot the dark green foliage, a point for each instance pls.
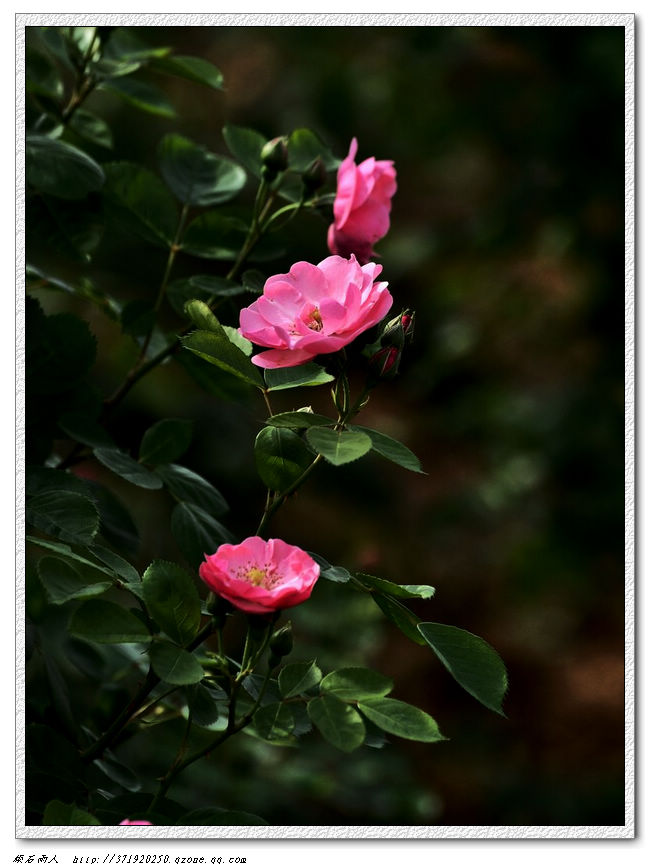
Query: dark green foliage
x: 172, y: 600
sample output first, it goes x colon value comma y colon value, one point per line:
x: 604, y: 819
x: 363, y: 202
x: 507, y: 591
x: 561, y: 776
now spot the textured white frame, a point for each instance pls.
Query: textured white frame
x: 227, y: 19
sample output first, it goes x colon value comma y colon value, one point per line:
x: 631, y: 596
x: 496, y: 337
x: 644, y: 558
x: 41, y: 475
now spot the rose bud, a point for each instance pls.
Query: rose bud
x: 281, y: 643
x: 314, y: 177
x: 385, y: 363
x: 275, y: 157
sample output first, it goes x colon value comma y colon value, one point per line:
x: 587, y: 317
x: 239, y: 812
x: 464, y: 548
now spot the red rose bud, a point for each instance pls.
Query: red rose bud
x: 314, y: 177
x: 398, y: 330
x: 275, y: 156
x: 408, y: 324
x: 385, y: 363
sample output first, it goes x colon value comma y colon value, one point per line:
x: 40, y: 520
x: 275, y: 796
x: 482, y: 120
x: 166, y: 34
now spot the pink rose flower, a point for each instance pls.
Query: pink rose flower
x: 314, y: 309
x: 259, y: 576
x: 362, y: 205
x: 135, y: 823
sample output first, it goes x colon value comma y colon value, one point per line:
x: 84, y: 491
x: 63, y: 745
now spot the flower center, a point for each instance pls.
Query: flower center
x: 314, y: 320
x: 256, y: 576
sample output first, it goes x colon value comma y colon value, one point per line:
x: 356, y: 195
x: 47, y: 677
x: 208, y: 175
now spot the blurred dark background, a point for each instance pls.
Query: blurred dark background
x: 507, y: 240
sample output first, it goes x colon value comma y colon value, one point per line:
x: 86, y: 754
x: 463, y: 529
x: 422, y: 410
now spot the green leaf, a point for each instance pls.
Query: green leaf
x: 200, y: 314
x: 253, y: 281
x: 237, y: 339
x: 65, y: 551
x: 66, y: 515
x: 338, y: 447
x: 85, y: 429
x: 187, y: 486
x: 41, y: 77
x: 126, y: 467
x: 141, y: 95
x: 58, y: 813
x: 393, y: 450
x: 59, y: 169
x: 338, y: 722
x: 471, y: 661
x: 205, y: 703
x: 401, y: 719
x: 297, y: 678
x: 401, y: 616
x: 197, y: 176
x: 280, y: 457
x: 306, y: 375
x: 304, y: 147
x: 92, y: 128
x: 197, y: 533
x: 124, y: 44
x: 356, y: 683
x: 66, y: 226
x: 172, y: 600
x: 117, y: 564
x: 145, y: 205
x: 200, y: 288
x: 165, y: 441
x: 215, y: 236
x: 246, y: 146
x: 115, y: 522
x: 221, y: 352
x: 385, y: 587
x: 119, y: 773
x: 175, y: 665
x: 331, y: 572
x: 192, y: 69
x: 105, y: 622
x: 62, y: 582
x: 219, y: 817
x: 274, y: 721
x: 299, y: 420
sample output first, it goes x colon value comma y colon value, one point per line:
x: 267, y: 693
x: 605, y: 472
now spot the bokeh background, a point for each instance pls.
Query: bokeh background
x: 507, y: 240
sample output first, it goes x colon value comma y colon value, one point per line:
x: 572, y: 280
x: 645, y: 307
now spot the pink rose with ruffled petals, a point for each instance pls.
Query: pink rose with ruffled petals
x: 135, y: 823
x: 314, y: 309
x: 259, y: 576
x: 362, y: 205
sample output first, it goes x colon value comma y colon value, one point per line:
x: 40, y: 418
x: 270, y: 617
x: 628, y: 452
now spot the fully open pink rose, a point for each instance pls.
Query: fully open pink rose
x: 314, y: 309
x: 259, y: 576
x: 362, y: 205
x: 135, y: 823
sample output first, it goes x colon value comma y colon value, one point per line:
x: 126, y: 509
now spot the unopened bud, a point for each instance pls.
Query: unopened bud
x: 408, y: 325
x: 385, y: 363
x: 398, y: 330
x: 281, y: 643
x: 275, y: 157
x: 314, y: 177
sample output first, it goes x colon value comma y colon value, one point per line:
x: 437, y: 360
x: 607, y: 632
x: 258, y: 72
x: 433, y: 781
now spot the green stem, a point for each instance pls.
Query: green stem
x: 173, y: 251
x: 278, y: 501
x: 233, y: 727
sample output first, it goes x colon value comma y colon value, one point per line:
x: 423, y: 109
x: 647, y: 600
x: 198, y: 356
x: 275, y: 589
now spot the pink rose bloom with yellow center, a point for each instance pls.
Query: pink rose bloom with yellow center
x: 362, y: 205
x: 135, y: 823
x: 259, y: 576
x: 314, y: 309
